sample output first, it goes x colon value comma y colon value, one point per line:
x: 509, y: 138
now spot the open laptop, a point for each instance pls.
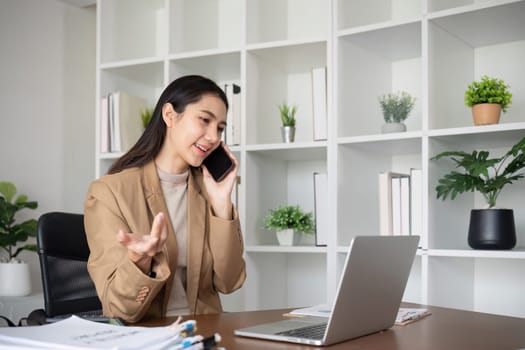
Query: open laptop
x: 368, y: 297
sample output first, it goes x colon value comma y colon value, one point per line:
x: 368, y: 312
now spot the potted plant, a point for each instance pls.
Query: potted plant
x: 396, y: 107
x: 289, y: 221
x: 14, y: 273
x: 489, y: 228
x: 288, y: 120
x: 488, y: 98
x: 145, y: 116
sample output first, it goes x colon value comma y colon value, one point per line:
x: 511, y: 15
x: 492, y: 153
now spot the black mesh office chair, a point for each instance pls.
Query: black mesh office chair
x: 63, y: 252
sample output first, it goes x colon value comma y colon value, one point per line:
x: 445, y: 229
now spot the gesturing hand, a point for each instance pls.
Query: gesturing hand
x: 141, y: 249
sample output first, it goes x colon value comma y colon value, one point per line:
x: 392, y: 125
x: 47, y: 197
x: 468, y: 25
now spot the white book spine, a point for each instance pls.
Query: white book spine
x: 228, y: 134
x: 236, y: 115
x: 321, y: 208
x: 385, y: 204
x: 405, y: 205
x: 416, y: 202
x: 104, y: 125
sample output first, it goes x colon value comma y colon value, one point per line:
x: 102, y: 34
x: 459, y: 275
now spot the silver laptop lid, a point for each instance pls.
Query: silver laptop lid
x: 374, y: 278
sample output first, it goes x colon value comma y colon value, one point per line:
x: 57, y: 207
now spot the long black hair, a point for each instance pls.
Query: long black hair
x: 180, y: 93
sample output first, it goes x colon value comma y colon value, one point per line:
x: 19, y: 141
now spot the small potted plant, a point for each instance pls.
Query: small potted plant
x: 488, y: 97
x: 14, y: 273
x: 145, y: 116
x: 396, y: 107
x: 490, y: 228
x: 288, y: 222
x: 288, y: 120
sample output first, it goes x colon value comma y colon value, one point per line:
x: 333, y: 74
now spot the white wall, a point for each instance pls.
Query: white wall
x: 47, y: 104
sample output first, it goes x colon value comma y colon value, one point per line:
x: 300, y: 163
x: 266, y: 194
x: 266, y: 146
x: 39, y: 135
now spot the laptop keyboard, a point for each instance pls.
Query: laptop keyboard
x: 315, y: 331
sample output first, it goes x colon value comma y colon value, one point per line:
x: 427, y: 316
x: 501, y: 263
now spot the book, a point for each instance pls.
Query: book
x: 236, y: 115
x: 321, y: 209
x: 405, y: 205
x: 228, y: 134
x: 232, y: 134
x: 319, y: 103
x: 390, y: 202
x: 127, y: 125
x: 416, y: 202
x: 104, y: 125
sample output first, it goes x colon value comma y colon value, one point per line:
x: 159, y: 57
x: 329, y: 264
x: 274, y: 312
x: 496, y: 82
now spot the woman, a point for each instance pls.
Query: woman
x: 164, y: 236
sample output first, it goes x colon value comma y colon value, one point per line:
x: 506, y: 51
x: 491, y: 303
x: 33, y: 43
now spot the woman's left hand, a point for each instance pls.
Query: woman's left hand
x: 220, y: 192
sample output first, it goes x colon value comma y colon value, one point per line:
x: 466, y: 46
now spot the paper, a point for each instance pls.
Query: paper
x: 404, y: 315
x: 79, y: 334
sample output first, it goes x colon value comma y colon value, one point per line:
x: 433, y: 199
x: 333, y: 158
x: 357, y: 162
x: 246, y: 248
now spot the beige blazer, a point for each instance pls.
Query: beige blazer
x: 129, y: 200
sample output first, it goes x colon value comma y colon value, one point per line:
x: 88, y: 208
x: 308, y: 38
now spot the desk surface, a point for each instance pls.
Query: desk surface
x: 443, y: 329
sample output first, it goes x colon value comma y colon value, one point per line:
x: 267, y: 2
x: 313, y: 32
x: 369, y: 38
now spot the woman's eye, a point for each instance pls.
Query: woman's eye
x: 205, y: 120
x: 221, y: 128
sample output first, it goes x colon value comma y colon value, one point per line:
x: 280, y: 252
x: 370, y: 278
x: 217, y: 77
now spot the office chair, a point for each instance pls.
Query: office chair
x: 63, y: 253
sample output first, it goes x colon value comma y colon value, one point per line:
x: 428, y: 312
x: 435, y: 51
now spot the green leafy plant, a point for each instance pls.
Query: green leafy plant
x: 396, y: 106
x: 287, y: 114
x: 145, y: 116
x: 288, y: 216
x: 12, y: 232
x: 488, y: 90
x: 481, y: 173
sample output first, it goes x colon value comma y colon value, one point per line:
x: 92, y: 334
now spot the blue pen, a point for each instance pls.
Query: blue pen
x: 206, y: 343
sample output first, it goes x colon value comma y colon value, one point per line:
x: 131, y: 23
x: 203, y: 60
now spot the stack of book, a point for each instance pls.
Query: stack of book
x: 232, y: 134
x: 120, y: 122
x: 400, y: 201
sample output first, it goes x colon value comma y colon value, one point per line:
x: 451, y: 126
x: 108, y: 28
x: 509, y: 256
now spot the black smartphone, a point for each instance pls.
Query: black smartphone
x: 219, y: 163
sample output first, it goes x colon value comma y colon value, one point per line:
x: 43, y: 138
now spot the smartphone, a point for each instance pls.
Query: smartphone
x: 219, y: 163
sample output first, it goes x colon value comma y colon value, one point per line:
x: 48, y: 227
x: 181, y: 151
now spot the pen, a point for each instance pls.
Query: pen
x: 206, y: 343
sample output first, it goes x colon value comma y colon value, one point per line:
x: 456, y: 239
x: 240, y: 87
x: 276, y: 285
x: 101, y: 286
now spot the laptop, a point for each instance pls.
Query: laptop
x: 368, y: 297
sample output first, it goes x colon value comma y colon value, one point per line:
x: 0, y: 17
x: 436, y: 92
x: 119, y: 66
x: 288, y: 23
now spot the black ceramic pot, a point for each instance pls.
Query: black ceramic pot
x: 492, y: 229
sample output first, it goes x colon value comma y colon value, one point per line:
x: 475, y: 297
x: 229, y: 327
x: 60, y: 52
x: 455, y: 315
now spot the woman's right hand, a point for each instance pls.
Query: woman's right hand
x: 141, y: 249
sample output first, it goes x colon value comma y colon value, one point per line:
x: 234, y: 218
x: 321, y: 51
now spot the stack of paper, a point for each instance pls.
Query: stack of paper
x: 79, y: 334
x: 404, y: 315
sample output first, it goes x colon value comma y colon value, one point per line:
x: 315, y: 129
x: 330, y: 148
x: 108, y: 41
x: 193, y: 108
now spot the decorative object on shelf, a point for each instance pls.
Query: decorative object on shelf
x: 488, y: 98
x: 489, y: 228
x: 145, y: 116
x: 289, y: 221
x: 14, y: 273
x: 288, y: 122
x: 396, y: 107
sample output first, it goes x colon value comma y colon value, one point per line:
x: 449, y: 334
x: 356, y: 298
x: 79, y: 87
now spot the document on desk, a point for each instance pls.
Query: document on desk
x: 404, y: 315
x: 79, y: 334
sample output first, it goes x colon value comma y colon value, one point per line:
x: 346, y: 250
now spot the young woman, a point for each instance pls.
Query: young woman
x: 164, y: 237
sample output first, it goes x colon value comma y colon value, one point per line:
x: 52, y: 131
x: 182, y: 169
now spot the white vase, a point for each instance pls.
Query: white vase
x: 288, y: 237
x: 15, y: 279
x: 393, y: 127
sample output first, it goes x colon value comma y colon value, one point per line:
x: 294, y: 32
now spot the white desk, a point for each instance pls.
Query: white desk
x: 16, y: 308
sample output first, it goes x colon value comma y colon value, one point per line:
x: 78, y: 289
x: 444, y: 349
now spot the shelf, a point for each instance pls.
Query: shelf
x: 351, y: 14
x: 201, y: 25
x: 285, y: 249
x: 433, y: 50
x: 372, y: 64
x: 489, y: 254
x: 276, y: 20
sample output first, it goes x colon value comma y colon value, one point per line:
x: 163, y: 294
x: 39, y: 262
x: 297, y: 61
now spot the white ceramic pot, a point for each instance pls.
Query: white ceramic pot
x: 15, y: 279
x: 288, y: 237
x: 393, y: 127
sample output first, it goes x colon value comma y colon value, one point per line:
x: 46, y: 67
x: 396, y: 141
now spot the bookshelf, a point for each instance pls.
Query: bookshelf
x: 430, y: 48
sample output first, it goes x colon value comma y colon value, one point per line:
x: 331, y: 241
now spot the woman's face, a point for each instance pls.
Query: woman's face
x: 194, y: 133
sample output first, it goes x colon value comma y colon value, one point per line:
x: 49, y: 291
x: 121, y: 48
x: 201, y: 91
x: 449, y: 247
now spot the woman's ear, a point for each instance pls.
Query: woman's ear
x: 168, y: 114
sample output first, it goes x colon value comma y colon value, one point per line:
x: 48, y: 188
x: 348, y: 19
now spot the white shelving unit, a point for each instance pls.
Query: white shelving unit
x: 431, y: 48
